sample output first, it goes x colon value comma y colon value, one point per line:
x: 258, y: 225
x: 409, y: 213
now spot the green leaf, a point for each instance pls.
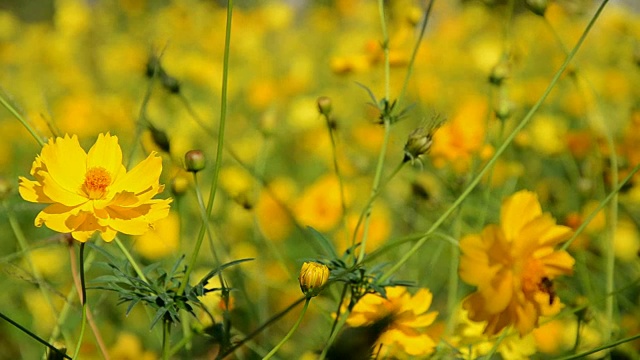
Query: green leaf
x: 326, y: 244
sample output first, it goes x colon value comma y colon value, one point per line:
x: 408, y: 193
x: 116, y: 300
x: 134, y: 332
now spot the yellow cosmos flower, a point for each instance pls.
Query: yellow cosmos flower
x: 90, y: 192
x: 513, y: 266
x: 406, y: 334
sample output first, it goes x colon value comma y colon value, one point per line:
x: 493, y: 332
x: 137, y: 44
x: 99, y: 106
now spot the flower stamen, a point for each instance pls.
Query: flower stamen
x: 96, y: 181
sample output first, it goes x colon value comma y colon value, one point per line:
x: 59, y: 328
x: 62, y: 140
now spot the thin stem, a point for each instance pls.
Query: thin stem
x: 498, y: 152
x: 600, y: 206
x: 334, y: 335
x: 416, y: 47
x: 600, y: 348
x: 22, y: 242
x: 385, y: 48
x: 372, y: 198
x: 343, y: 201
x: 165, y: 340
x: 34, y: 336
x: 223, y: 109
x: 374, y: 190
x: 220, y: 147
x: 77, y: 279
x: 293, y: 329
x: 133, y: 263
x: 257, y: 331
x: 22, y: 120
x: 83, y: 298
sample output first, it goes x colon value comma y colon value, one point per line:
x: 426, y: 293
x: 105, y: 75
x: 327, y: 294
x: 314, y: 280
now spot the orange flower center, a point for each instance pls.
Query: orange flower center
x: 532, y: 275
x: 96, y: 181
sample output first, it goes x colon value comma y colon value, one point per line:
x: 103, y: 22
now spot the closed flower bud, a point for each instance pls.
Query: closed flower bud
x: 160, y: 138
x: 419, y: 143
x: 313, y: 276
x: 194, y: 160
x: 500, y: 72
x: 179, y: 185
x: 538, y: 7
x: 324, y: 105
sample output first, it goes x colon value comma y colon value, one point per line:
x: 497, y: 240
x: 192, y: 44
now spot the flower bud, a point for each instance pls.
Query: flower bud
x: 194, y: 160
x: 160, y: 138
x: 538, y: 7
x: 179, y: 185
x: 500, y: 72
x: 418, y: 143
x: 324, y: 105
x: 313, y: 276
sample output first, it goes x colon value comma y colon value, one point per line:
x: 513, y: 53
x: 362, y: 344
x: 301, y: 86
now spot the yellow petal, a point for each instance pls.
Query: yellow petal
x: 106, y: 153
x: 499, y: 293
x: 65, y: 163
x: 517, y: 210
x: 60, y: 218
x: 142, y: 177
x: 57, y: 193
x: 32, y: 191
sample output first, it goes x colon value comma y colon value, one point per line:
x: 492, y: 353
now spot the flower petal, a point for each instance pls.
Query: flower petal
x: 59, y: 194
x: 106, y: 153
x: 32, y: 191
x: 141, y: 178
x: 65, y: 162
x: 517, y: 210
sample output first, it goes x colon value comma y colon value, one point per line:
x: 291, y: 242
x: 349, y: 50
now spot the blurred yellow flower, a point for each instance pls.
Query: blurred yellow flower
x: 89, y: 192
x: 406, y: 333
x: 320, y: 206
x: 129, y: 346
x: 472, y: 343
x: 513, y: 266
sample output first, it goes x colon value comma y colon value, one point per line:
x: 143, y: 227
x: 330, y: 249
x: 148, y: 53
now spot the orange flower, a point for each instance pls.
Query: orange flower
x: 513, y: 266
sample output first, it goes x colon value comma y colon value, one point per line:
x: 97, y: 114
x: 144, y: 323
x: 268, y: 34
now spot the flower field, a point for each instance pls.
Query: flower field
x: 335, y: 179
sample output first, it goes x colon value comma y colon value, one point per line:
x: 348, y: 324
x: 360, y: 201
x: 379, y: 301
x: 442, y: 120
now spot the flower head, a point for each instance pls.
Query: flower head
x: 513, y: 266
x: 405, y: 334
x: 313, y: 276
x: 89, y: 192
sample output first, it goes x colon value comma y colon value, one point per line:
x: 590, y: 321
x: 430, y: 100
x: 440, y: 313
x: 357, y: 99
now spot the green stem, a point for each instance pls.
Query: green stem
x: 133, y: 263
x: 22, y: 120
x: 600, y: 348
x: 83, y: 290
x: 24, y: 247
x: 34, y: 336
x: 385, y: 49
x: 165, y: 340
x: 334, y: 335
x: 293, y: 329
x: 498, y: 152
x: 414, y: 53
x: 372, y: 198
x: 600, y: 206
x: 220, y: 147
x: 257, y: 331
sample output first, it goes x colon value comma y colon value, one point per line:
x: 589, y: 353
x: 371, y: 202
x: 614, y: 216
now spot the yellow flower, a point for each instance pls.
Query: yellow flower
x: 89, y: 192
x: 406, y: 333
x: 313, y: 276
x: 513, y: 266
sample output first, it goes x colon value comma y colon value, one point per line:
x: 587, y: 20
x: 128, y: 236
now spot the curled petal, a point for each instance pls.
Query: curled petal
x: 32, y: 191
